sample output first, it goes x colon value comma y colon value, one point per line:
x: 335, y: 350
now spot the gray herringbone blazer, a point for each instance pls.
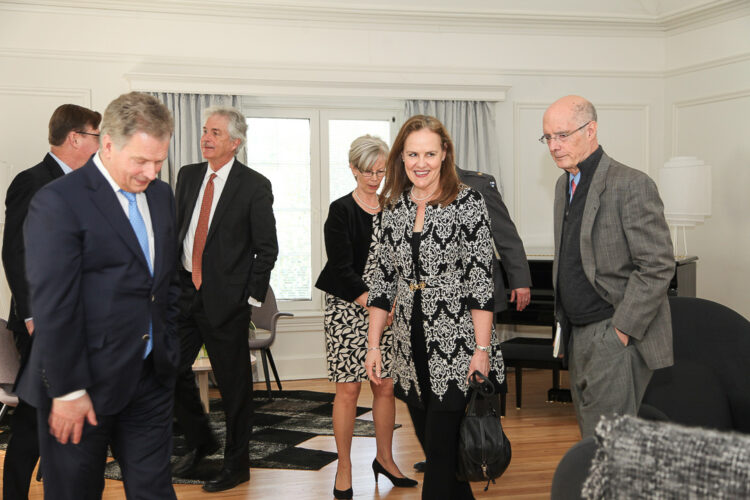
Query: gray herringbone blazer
x: 626, y: 250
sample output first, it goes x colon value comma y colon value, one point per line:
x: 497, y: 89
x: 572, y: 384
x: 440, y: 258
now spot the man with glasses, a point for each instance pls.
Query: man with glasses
x: 73, y: 138
x: 613, y: 265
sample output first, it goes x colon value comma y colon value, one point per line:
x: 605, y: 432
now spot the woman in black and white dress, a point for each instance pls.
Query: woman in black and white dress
x: 352, y: 232
x: 435, y: 262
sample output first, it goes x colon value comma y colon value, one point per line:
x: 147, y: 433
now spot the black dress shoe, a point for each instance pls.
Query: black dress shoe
x: 227, y: 480
x: 420, y: 466
x: 186, y: 464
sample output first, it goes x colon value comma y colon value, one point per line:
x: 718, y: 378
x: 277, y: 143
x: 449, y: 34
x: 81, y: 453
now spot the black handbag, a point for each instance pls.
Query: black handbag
x: 483, y: 448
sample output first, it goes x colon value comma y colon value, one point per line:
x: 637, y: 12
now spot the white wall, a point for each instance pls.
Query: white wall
x: 54, y: 54
x: 708, y: 115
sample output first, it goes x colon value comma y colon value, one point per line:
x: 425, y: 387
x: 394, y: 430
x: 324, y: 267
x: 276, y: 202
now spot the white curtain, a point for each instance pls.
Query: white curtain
x: 186, y: 110
x: 471, y: 125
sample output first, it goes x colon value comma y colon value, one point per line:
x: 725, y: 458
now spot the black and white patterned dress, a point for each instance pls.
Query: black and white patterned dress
x: 433, y: 329
x: 346, y: 326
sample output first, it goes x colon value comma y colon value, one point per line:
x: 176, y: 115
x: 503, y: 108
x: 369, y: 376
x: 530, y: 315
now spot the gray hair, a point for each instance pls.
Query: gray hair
x: 237, y: 126
x: 365, y: 151
x: 586, y: 111
x: 136, y: 112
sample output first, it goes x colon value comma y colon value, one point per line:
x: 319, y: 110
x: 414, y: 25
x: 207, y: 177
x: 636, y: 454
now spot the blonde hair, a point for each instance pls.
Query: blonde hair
x: 136, y: 112
x: 365, y: 151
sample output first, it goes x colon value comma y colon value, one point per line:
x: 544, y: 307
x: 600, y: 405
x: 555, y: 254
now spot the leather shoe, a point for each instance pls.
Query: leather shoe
x: 227, y: 480
x: 420, y: 466
x: 186, y: 464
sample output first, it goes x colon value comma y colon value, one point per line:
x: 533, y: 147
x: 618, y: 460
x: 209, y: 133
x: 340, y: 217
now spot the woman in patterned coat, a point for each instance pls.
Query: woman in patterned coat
x: 435, y: 261
x: 352, y: 233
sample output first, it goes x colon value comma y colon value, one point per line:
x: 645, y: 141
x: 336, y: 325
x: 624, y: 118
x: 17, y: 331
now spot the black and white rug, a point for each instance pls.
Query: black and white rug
x: 281, y: 425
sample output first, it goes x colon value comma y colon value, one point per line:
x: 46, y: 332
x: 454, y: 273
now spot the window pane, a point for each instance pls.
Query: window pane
x: 341, y: 133
x: 279, y: 148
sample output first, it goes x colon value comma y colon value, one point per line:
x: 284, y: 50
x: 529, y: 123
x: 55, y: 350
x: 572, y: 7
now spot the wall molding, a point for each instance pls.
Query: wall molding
x: 84, y: 94
x: 677, y: 106
x: 402, y: 17
x: 715, y: 63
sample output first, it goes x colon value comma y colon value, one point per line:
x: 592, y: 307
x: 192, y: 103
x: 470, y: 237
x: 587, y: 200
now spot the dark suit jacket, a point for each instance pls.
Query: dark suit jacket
x: 93, y: 295
x: 627, y: 255
x: 241, y: 246
x: 504, y: 234
x: 21, y: 190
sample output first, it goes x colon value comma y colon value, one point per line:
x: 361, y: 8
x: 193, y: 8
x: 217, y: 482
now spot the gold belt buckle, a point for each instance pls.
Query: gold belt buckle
x: 417, y: 286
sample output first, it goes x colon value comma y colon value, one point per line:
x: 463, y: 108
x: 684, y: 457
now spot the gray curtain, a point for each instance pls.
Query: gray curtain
x: 471, y: 125
x: 186, y: 110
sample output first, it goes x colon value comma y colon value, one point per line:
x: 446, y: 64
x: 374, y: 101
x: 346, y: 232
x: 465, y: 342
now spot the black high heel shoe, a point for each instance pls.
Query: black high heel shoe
x: 400, y: 482
x: 342, y: 494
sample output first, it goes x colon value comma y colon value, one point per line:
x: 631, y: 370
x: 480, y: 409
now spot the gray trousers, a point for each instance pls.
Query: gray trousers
x: 606, y: 376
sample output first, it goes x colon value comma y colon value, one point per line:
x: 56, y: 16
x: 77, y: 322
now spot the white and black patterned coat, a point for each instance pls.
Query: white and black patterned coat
x: 455, y: 263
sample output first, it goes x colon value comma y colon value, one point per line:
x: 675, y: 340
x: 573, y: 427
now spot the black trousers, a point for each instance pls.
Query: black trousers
x: 22, y: 453
x: 437, y: 432
x: 140, y: 437
x: 230, y: 360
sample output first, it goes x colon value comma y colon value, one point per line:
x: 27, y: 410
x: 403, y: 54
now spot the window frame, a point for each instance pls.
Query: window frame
x: 319, y: 113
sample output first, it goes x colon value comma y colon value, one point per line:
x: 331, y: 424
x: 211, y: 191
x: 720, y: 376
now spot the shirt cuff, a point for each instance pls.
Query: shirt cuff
x: 253, y: 302
x: 72, y: 395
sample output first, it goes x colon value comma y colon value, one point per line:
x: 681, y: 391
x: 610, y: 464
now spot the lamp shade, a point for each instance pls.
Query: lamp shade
x: 685, y: 187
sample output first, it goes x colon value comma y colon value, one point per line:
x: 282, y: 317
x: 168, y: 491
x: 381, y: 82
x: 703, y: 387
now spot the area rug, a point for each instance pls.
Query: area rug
x: 280, y: 425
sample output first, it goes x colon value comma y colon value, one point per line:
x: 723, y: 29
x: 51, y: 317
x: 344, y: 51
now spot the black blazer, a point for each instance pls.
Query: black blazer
x: 21, y: 190
x: 348, y: 234
x: 241, y: 246
x: 504, y: 235
x: 93, y: 295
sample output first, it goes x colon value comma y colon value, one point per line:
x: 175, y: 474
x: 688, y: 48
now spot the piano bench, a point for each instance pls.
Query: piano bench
x: 522, y: 352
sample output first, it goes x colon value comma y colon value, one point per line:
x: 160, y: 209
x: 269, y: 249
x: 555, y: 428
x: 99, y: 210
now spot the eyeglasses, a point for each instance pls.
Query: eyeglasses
x: 86, y: 133
x: 562, y: 136
x: 369, y: 174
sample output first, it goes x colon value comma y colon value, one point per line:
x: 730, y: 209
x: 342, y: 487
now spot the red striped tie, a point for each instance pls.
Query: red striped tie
x: 201, y: 231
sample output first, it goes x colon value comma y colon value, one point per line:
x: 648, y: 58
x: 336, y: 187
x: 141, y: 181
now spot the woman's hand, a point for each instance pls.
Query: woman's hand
x: 480, y: 362
x: 373, y: 365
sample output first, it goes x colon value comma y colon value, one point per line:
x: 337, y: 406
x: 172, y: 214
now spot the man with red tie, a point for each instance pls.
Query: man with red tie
x: 228, y: 235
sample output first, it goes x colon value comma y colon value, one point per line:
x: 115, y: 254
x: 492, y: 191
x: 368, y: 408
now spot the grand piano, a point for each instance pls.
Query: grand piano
x: 522, y: 352
x: 540, y: 311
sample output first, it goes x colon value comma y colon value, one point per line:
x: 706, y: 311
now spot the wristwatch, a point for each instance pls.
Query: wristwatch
x: 484, y: 348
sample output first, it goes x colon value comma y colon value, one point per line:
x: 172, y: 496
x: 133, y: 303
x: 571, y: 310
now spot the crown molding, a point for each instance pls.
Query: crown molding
x: 402, y: 18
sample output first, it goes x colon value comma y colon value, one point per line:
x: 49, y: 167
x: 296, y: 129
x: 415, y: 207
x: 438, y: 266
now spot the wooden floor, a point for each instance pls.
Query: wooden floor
x: 540, y: 434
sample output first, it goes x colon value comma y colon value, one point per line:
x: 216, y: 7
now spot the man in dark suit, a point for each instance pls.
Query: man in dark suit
x: 228, y: 236
x: 101, y: 254
x: 73, y: 138
x: 507, y: 242
x: 613, y: 265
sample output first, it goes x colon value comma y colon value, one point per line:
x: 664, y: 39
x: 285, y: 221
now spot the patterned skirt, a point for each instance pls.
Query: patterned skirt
x: 346, y: 326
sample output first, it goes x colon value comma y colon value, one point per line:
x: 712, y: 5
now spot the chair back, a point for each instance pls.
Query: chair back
x: 10, y: 362
x: 263, y: 316
x: 709, y: 383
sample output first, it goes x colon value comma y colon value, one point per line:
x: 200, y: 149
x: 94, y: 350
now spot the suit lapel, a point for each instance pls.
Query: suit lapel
x: 231, y: 186
x: 189, y: 199
x: 105, y: 199
x: 158, y: 216
x: 593, y: 201
x: 559, y: 211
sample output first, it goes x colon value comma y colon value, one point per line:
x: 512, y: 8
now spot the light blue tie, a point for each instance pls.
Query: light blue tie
x: 142, y: 234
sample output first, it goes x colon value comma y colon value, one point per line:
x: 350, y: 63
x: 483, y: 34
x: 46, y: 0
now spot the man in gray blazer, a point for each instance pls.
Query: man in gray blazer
x: 613, y: 264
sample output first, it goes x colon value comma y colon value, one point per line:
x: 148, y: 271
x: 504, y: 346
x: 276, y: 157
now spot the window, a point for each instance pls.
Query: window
x: 304, y: 153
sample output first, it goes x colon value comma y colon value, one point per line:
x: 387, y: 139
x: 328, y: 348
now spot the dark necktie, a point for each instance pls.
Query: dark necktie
x: 201, y: 232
